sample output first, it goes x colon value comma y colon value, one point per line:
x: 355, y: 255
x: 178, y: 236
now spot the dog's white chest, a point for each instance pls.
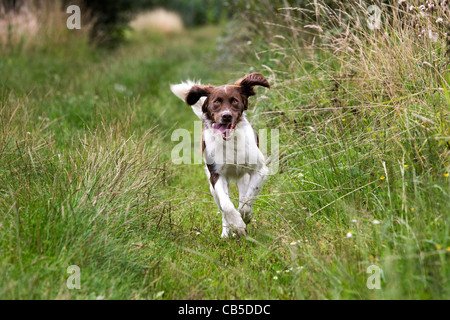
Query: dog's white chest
x: 235, y: 157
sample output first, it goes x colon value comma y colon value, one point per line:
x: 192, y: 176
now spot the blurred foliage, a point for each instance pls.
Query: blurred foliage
x: 112, y: 17
x: 196, y: 12
x: 108, y: 19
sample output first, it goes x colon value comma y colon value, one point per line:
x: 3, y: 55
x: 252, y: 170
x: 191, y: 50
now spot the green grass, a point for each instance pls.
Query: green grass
x: 86, y: 179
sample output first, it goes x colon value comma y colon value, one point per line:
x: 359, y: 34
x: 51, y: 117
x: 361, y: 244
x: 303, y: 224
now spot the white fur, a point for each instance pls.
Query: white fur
x: 182, y: 89
x: 238, y: 161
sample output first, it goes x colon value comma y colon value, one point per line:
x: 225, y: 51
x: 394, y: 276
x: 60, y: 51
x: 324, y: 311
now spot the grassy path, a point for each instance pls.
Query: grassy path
x: 86, y: 180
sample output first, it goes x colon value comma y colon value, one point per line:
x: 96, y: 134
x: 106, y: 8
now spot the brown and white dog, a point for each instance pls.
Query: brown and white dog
x: 229, y: 145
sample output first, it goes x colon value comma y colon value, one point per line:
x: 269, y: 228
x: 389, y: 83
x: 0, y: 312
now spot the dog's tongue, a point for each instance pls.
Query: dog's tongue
x: 221, y: 128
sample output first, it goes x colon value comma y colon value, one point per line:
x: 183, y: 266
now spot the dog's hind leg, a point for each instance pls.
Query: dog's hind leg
x: 254, y: 185
x: 244, y: 210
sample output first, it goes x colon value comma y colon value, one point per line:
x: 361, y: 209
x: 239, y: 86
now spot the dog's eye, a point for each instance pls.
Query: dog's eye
x: 234, y: 101
x: 216, y: 104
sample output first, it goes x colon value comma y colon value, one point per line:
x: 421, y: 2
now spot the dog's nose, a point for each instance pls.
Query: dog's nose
x: 227, y: 116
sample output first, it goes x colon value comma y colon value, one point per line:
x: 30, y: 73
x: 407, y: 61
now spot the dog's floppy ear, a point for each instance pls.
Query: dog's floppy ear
x: 196, y: 92
x: 249, y: 81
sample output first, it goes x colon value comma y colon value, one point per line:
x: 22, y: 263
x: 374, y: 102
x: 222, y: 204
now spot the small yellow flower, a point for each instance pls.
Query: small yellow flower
x: 439, y: 246
x: 406, y: 166
x: 446, y: 175
x: 382, y: 178
x: 412, y: 209
x: 343, y: 119
x: 447, y: 249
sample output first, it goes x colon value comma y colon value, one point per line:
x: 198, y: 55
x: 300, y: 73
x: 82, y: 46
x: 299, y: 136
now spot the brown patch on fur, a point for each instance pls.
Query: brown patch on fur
x: 203, y: 142
x: 249, y: 81
x: 214, y: 176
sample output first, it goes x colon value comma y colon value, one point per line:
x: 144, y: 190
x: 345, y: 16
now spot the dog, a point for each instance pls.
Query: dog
x: 230, y: 145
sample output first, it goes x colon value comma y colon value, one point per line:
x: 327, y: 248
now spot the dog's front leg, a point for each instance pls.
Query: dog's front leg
x: 231, y: 219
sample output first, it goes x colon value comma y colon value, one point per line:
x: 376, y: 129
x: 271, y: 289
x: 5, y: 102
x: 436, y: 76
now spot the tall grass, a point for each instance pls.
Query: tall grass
x: 364, y: 123
x: 36, y: 25
x: 61, y: 207
x: 71, y: 193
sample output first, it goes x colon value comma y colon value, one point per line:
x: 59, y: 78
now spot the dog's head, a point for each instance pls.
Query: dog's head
x: 224, y: 105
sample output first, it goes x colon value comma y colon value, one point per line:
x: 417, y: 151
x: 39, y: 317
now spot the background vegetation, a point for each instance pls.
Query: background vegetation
x: 86, y: 177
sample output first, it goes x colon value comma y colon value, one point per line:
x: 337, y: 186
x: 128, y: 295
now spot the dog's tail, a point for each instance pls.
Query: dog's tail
x: 181, y: 90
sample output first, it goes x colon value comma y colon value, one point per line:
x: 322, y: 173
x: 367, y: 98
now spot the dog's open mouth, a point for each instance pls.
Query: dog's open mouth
x: 225, y: 129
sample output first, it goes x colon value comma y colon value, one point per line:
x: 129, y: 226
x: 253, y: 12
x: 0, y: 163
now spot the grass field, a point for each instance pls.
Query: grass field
x: 86, y: 178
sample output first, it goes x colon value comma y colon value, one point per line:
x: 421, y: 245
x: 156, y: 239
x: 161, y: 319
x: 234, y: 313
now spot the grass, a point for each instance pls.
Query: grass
x: 86, y: 177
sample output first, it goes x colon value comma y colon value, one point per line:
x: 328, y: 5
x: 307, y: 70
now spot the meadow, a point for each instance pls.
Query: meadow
x: 86, y: 176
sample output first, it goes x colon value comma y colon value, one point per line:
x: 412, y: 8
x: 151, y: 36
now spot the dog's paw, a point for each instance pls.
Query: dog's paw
x: 235, y: 230
x: 239, y: 232
x: 246, y: 213
x: 233, y: 223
